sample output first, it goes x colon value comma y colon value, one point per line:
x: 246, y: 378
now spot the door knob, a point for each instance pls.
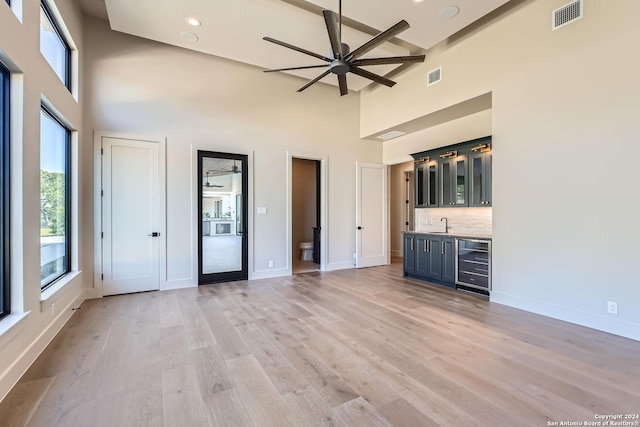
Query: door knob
x: 154, y: 234
x: 360, y: 228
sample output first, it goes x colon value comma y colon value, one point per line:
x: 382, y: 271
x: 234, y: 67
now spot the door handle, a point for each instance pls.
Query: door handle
x: 154, y: 234
x: 360, y: 228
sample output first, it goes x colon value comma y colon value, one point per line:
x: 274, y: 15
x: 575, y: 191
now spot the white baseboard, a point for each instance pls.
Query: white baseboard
x: 601, y: 323
x: 178, y: 284
x: 270, y: 273
x: 19, y: 366
x: 339, y: 266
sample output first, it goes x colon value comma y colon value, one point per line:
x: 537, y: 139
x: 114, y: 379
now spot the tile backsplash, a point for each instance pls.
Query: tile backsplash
x: 461, y: 220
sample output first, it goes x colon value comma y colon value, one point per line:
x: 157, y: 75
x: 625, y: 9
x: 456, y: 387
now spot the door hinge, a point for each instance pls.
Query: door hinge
x: 102, y: 193
x: 102, y: 151
x: 406, y: 201
x: 102, y: 235
x: 102, y: 277
x: 406, y: 223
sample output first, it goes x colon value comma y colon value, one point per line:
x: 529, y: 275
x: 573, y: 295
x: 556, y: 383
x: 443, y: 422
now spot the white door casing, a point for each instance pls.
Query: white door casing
x: 130, y: 215
x: 372, y: 234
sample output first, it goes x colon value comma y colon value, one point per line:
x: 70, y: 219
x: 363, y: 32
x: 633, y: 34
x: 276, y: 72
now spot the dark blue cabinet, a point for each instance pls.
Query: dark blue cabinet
x: 448, y: 246
x: 454, y: 176
x: 426, y: 184
x: 408, y: 254
x: 430, y: 257
x: 480, y: 179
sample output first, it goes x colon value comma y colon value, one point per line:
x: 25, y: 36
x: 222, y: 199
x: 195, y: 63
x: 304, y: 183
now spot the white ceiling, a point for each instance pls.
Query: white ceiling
x: 234, y: 29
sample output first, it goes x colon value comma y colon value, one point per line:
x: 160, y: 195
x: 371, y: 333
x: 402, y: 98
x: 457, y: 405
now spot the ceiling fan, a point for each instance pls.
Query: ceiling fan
x: 342, y: 61
x: 208, y: 184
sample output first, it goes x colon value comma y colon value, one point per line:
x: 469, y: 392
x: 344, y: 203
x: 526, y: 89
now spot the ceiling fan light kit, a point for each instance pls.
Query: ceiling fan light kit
x: 343, y: 61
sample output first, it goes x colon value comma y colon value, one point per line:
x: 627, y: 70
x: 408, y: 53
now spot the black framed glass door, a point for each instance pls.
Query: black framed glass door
x: 222, y: 217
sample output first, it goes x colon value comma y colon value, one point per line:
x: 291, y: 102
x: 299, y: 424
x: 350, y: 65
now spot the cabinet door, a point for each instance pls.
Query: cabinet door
x: 447, y: 248
x: 431, y: 184
x: 418, y: 185
x: 480, y: 179
x: 453, y: 182
x: 426, y: 185
x: 422, y: 261
x: 434, y: 258
x: 409, y: 257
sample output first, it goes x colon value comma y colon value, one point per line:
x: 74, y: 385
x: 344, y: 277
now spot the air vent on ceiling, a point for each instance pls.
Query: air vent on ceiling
x: 434, y: 76
x: 566, y: 14
x: 390, y: 135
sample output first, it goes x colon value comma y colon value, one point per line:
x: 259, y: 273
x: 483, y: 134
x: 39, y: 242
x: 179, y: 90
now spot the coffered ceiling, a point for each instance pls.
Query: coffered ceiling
x: 234, y: 29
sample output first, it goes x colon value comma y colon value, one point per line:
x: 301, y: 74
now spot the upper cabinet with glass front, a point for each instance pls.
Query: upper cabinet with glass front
x: 426, y: 183
x: 454, y: 176
x: 453, y: 180
x: 480, y: 178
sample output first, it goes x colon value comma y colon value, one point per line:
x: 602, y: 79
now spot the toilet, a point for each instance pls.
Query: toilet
x: 307, y: 251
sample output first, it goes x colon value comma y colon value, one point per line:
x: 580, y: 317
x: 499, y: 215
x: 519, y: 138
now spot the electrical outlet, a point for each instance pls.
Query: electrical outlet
x: 612, y: 307
x: 270, y: 263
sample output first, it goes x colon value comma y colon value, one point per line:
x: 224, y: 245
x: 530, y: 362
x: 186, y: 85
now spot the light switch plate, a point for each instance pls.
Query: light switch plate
x: 262, y: 210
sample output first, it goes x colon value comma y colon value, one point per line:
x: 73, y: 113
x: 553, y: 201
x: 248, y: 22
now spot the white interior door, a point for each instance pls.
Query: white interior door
x: 130, y: 216
x: 371, y: 215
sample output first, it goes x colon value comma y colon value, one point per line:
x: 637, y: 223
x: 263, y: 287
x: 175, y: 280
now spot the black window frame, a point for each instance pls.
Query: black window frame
x: 56, y: 27
x: 5, y: 250
x: 67, y: 192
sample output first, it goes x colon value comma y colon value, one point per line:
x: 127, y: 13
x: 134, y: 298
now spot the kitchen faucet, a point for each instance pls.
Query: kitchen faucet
x: 446, y: 224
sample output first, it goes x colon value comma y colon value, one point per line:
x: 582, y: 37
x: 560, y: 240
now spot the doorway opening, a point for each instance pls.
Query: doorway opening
x: 305, y: 215
x: 222, y: 210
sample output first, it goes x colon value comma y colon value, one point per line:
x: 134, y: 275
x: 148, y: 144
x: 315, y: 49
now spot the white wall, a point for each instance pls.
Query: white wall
x: 564, y: 114
x: 202, y: 102
x: 41, y: 316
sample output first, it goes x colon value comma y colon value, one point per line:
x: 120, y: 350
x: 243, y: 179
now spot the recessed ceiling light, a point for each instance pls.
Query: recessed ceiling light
x: 194, y: 22
x: 418, y: 1
x: 449, y: 12
x: 188, y: 37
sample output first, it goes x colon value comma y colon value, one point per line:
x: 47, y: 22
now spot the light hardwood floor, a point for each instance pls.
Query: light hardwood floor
x: 347, y: 348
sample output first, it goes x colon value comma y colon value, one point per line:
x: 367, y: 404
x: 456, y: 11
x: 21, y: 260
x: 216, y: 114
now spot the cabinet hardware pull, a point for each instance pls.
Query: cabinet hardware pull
x: 428, y: 242
x: 442, y: 247
x: 425, y: 245
x: 412, y: 243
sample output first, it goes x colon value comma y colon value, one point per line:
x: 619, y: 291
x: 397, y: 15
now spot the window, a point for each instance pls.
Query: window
x: 55, y: 206
x: 53, y: 46
x: 5, y: 283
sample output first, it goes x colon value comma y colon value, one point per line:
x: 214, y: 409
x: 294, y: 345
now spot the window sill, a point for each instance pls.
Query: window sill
x: 11, y: 326
x: 55, y: 291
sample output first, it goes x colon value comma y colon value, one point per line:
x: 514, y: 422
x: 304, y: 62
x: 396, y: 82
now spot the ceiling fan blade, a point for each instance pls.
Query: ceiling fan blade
x: 298, y: 49
x: 379, y: 39
x: 331, y: 19
x: 296, y: 68
x: 321, y: 76
x: 369, y: 75
x: 389, y: 60
x: 342, y: 81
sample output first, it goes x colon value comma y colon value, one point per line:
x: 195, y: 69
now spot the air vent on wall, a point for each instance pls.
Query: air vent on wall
x: 434, y: 76
x: 566, y: 14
